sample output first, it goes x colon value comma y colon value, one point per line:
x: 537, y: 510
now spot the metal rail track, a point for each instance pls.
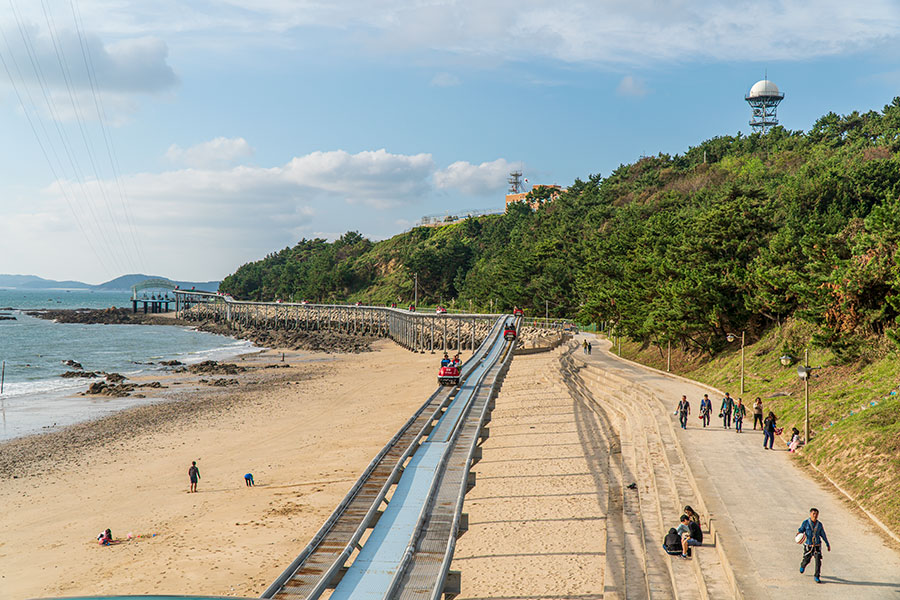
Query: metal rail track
x: 321, y: 564
x: 425, y: 571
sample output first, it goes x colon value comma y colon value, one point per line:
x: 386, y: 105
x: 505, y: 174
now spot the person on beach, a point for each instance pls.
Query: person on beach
x: 590, y: 348
x: 683, y: 410
x: 769, y: 426
x: 814, y: 533
x: 584, y: 346
x: 194, y: 475
x: 739, y: 412
x: 705, y: 409
x: 248, y: 479
x: 757, y: 413
x: 105, y: 538
x: 725, y: 410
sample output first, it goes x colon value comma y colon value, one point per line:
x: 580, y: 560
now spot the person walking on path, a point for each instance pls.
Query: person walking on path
x: 248, y: 479
x: 769, y: 430
x: 590, y: 348
x: 814, y: 534
x: 194, y: 475
x: 683, y: 410
x: 705, y: 409
x: 740, y: 411
x: 584, y: 346
x: 757, y: 413
x: 725, y: 410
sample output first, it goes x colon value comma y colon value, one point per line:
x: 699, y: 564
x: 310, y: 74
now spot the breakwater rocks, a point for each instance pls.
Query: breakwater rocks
x: 104, y: 316
x: 311, y: 341
x: 293, y: 339
x: 211, y: 367
x: 85, y: 315
x: 314, y: 341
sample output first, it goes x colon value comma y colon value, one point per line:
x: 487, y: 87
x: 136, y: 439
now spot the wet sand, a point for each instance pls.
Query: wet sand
x: 305, y: 432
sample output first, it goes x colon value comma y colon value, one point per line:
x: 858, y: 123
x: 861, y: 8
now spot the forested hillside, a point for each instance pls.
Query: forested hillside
x: 739, y: 232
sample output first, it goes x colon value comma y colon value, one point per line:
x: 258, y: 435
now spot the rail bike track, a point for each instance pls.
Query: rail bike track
x: 393, y: 534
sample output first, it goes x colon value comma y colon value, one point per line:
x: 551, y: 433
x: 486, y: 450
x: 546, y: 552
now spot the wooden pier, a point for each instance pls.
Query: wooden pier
x: 416, y: 331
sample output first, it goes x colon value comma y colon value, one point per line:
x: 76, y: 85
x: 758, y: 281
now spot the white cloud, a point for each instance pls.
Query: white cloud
x: 127, y: 66
x: 254, y: 205
x: 376, y: 178
x: 601, y: 31
x: 445, y: 80
x: 475, y: 180
x: 218, y: 152
x: 206, y: 221
x: 67, y: 77
x: 632, y: 86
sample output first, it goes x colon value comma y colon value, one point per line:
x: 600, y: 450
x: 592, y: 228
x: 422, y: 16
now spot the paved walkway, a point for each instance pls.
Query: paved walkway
x: 759, y: 498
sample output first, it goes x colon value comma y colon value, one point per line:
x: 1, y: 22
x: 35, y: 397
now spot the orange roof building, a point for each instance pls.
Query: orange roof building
x: 528, y: 197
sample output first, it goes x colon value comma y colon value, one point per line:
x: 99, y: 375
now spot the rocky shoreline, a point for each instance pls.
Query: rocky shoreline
x: 38, y: 454
x: 311, y: 341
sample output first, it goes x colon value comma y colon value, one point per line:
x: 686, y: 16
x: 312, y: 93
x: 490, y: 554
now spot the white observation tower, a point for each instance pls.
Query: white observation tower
x: 763, y: 99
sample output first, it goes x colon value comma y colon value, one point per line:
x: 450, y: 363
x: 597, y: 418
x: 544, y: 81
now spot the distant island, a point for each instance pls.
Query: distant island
x: 123, y: 283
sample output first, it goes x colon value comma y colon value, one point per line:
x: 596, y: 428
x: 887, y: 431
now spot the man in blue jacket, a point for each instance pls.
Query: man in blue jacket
x: 812, y: 545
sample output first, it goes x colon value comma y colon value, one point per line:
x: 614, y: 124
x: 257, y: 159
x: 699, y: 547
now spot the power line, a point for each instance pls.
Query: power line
x: 64, y: 68
x: 63, y: 137
x: 37, y: 137
x: 107, y: 138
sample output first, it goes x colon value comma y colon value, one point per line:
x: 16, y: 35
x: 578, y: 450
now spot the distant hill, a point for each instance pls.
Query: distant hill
x: 32, y: 282
x: 126, y: 281
x: 123, y: 283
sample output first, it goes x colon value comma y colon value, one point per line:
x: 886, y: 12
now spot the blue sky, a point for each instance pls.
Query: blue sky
x: 237, y: 128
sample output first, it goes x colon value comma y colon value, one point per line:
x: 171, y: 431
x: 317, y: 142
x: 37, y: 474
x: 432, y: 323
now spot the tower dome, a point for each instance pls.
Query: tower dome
x: 762, y: 89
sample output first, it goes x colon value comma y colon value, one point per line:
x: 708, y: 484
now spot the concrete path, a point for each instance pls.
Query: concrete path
x: 758, y: 499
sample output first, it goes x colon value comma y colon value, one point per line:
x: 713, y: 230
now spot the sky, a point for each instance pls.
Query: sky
x: 185, y: 138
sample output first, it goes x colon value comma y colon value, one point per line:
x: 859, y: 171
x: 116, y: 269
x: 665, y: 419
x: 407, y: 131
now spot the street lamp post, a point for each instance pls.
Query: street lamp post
x: 806, y: 394
x: 731, y: 337
x: 803, y: 372
x: 416, y: 300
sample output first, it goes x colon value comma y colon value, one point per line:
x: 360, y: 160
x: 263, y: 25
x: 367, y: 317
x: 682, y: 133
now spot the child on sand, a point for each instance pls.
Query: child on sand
x: 248, y: 479
x: 105, y: 538
x: 194, y: 474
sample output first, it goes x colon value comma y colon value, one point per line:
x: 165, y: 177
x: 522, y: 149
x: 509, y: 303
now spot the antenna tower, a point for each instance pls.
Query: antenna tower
x: 515, y: 182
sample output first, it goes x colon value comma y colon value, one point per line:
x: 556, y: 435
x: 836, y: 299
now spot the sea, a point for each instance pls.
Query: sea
x: 35, y: 399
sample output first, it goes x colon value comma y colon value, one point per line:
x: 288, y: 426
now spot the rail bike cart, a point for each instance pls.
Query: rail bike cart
x: 449, y: 375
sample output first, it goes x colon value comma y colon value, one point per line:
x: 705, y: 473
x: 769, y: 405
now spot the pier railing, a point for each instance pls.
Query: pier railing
x: 416, y: 331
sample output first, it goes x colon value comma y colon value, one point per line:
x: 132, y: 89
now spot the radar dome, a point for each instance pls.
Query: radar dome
x: 763, y: 88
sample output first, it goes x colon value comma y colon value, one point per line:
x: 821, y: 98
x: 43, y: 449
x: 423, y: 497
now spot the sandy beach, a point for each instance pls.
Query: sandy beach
x: 305, y: 432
